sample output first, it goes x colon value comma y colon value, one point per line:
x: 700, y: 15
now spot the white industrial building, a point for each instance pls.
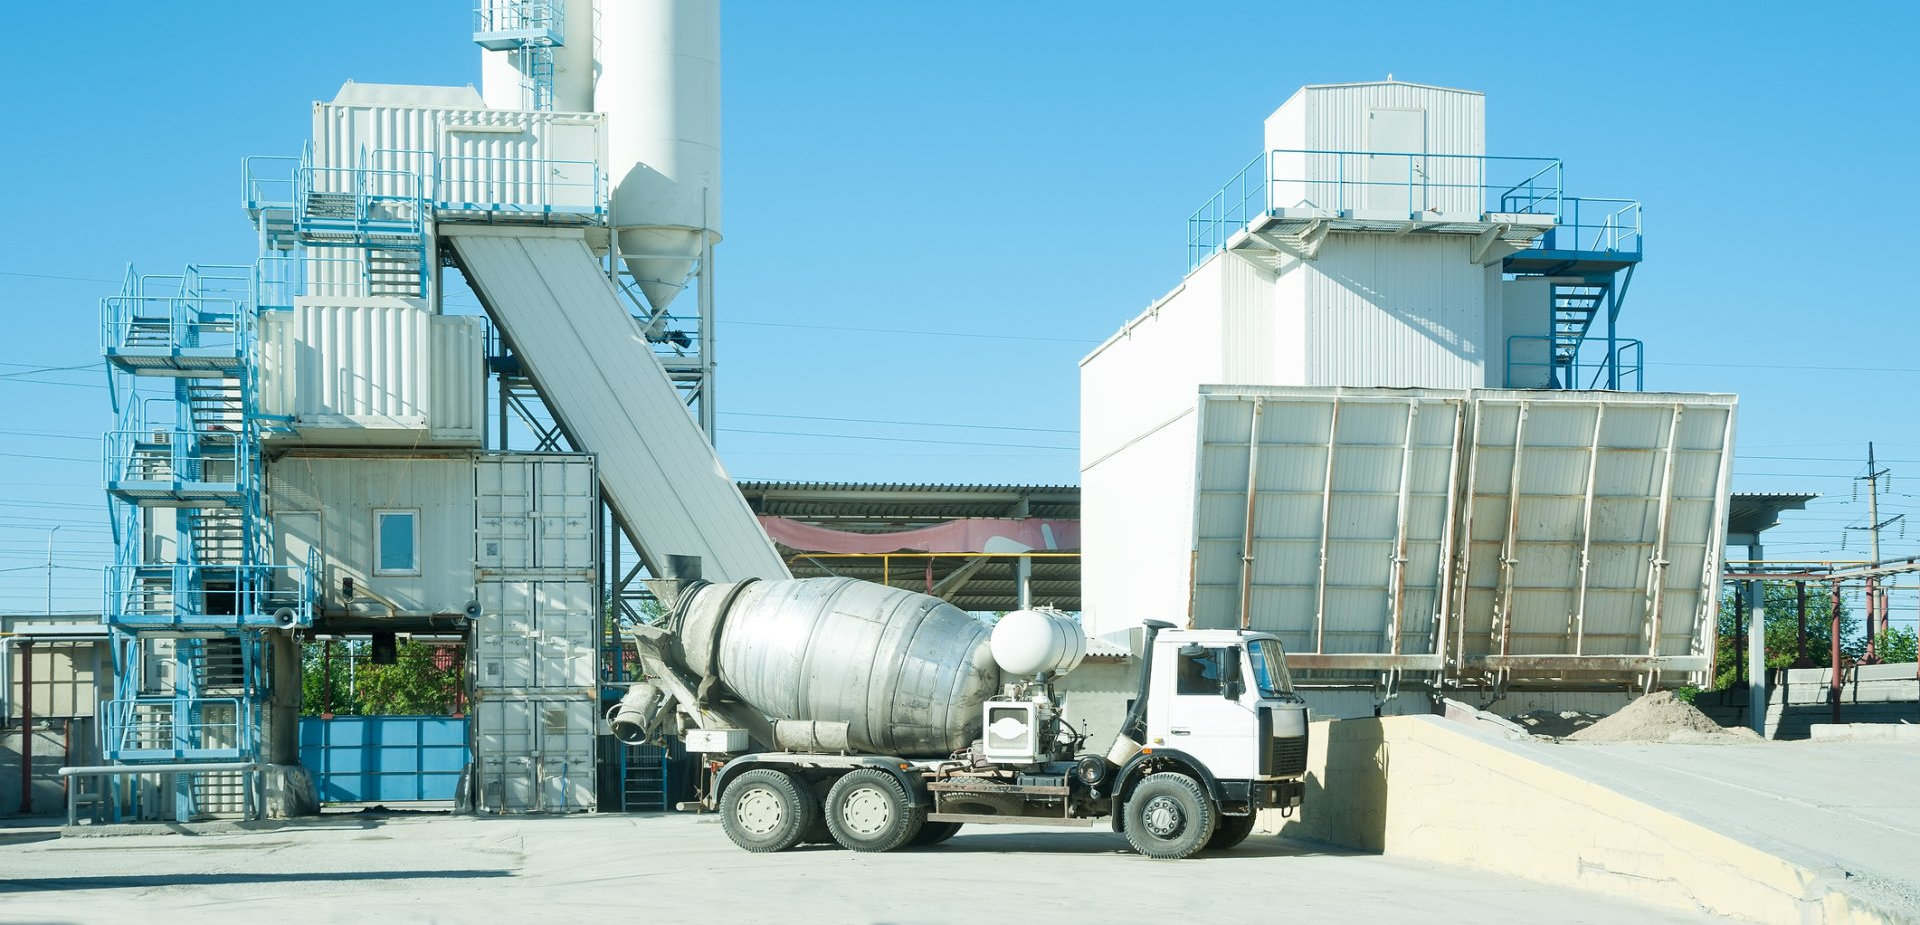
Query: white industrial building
x: 1387, y: 414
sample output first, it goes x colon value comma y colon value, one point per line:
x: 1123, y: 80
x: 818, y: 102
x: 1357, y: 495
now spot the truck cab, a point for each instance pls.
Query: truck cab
x: 1225, y: 698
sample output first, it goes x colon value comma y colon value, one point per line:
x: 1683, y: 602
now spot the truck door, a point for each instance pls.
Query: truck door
x: 1191, y: 711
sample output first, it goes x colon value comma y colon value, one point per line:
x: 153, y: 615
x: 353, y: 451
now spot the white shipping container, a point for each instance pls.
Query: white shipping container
x: 534, y: 635
x: 329, y: 502
x: 444, y: 144
x: 377, y: 371
x: 535, y: 512
x: 535, y: 756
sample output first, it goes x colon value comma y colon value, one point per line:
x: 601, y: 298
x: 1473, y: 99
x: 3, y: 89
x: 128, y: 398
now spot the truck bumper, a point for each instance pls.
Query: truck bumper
x: 1264, y: 794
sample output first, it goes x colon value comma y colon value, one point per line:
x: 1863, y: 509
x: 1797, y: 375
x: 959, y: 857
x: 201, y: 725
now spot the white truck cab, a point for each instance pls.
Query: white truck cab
x: 1224, y: 697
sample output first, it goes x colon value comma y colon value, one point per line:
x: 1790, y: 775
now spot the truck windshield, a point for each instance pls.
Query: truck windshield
x: 1270, y: 668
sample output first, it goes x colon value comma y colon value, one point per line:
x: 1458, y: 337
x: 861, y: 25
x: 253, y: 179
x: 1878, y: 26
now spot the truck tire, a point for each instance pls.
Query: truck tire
x: 868, y: 810
x: 1231, y: 830
x: 934, y: 833
x: 1170, y: 817
x: 767, y: 810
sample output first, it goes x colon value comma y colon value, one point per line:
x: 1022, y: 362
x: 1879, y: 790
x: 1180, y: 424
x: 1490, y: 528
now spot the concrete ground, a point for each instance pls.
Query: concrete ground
x: 1842, y: 808
x: 679, y: 868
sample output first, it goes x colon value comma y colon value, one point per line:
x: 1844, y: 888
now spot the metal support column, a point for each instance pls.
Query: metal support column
x: 1757, y: 646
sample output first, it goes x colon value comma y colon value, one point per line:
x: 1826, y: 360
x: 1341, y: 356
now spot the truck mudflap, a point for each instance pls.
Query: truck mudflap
x: 798, y: 763
x: 1255, y: 795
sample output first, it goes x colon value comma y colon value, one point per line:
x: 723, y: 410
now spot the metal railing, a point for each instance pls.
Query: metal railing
x: 1463, y: 187
x: 278, y: 280
x: 161, y: 729
x: 510, y: 23
x: 533, y: 187
x: 1596, y: 225
x: 184, y: 595
x: 213, y: 328
x: 1540, y: 361
x: 358, y: 202
x: 268, y: 182
x: 174, y: 462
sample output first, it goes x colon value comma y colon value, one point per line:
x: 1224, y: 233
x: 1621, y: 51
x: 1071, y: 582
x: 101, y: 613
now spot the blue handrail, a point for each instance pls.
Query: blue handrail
x: 1409, y: 185
x: 543, y: 186
x: 1552, y: 368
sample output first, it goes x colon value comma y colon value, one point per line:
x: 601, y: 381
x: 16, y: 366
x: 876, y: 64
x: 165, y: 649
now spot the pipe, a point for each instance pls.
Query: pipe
x: 1135, y: 726
x: 26, y: 728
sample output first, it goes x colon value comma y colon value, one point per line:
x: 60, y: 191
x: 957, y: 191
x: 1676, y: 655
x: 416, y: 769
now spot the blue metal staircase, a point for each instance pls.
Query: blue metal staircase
x: 529, y: 30
x: 192, y: 591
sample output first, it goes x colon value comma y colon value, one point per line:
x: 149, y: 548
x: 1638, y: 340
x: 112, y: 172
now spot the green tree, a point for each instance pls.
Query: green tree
x: 1783, y: 633
x: 415, y: 684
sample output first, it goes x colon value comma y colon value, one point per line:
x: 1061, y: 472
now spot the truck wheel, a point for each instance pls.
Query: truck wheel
x: 1169, y: 817
x: 1231, y: 831
x: 934, y: 833
x: 767, y: 810
x: 868, y: 811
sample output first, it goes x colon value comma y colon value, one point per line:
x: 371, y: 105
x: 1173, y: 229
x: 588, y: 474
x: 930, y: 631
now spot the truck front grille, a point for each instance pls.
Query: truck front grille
x: 1289, y: 756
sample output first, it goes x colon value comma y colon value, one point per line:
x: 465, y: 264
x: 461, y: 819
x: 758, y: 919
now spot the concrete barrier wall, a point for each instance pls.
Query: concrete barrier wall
x: 1429, y: 788
x: 1798, y: 699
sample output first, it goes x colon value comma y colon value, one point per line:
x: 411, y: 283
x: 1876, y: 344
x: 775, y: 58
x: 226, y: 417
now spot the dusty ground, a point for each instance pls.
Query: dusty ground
x: 664, y: 869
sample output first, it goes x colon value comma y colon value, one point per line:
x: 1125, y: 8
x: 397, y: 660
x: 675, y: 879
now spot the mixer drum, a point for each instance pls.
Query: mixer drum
x: 907, y: 672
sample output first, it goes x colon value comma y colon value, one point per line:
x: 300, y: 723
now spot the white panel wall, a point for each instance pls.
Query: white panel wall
x: 1525, y: 310
x: 373, y: 372
x: 535, y: 755
x: 1394, y: 311
x: 1336, y: 118
x: 346, y: 490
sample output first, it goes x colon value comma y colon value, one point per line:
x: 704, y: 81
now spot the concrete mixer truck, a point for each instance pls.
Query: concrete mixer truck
x: 837, y: 710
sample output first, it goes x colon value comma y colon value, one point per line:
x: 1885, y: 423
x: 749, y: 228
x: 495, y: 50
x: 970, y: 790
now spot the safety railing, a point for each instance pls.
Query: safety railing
x: 194, y: 596
x: 1539, y: 361
x: 351, y: 205
x: 1398, y: 185
x: 268, y: 182
x: 1595, y: 226
x: 278, y: 280
x: 179, y: 728
x: 204, y: 329
x: 505, y: 24
x: 507, y: 187
x: 180, y: 465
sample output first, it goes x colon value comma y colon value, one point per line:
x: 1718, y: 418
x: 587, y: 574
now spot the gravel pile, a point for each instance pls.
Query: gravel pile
x: 1661, y: 717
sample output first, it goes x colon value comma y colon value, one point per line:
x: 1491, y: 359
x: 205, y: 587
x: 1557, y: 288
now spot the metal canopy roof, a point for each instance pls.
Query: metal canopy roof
x: 969, y: 582
x: 879, y: 507
x: 1749, y: 513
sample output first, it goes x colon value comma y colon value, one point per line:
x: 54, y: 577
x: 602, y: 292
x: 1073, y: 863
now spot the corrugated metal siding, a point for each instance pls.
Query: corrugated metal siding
x: 535, y: 755
x: 487, y: 162
x: 1336, y: 552
x: 456, y: 394
x: 579, y: 344
x: 1335, y: 118
x: 345, y: 491
x: 1394, y: 311
x: 1616, y: 450
x: 373, y: 371
x: 536, y: 634
x: 534, y: 513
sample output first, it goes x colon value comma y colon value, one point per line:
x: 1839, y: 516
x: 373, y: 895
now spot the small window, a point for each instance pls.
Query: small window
x: 1203, y: 670
x: 396, y: 542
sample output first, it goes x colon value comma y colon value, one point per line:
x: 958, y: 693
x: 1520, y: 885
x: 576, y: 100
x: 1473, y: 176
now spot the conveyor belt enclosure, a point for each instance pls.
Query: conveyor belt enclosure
x: 1519, y: 536
x: 593, y: 366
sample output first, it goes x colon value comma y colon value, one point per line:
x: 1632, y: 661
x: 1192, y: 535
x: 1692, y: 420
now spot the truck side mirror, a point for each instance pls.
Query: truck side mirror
x: 1231, y: 686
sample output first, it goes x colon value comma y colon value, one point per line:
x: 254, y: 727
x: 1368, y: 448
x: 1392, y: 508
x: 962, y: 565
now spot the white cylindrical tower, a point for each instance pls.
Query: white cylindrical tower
x: 501, y: 72
x: 659, y: 87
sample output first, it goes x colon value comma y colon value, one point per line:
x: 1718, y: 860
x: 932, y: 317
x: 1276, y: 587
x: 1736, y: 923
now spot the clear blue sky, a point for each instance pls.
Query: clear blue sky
x: 933, y: 210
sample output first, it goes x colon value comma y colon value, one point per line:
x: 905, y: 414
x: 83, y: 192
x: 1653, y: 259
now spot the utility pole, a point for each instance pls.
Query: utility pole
x: 1873, y: 527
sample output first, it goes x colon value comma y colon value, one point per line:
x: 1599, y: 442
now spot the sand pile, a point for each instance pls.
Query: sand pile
x: 1556, y: 725
x: 1660, y: 717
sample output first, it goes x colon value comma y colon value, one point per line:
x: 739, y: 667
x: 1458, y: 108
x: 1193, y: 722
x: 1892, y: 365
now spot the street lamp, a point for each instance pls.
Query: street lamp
x: 50, y: 534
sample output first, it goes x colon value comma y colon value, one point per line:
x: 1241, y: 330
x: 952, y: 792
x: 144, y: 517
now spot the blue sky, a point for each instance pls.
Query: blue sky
x: 933, y: 210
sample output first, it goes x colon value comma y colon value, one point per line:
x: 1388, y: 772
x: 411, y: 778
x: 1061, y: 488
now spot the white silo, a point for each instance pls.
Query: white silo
x: 659, y: 87
x: 502, y: 73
